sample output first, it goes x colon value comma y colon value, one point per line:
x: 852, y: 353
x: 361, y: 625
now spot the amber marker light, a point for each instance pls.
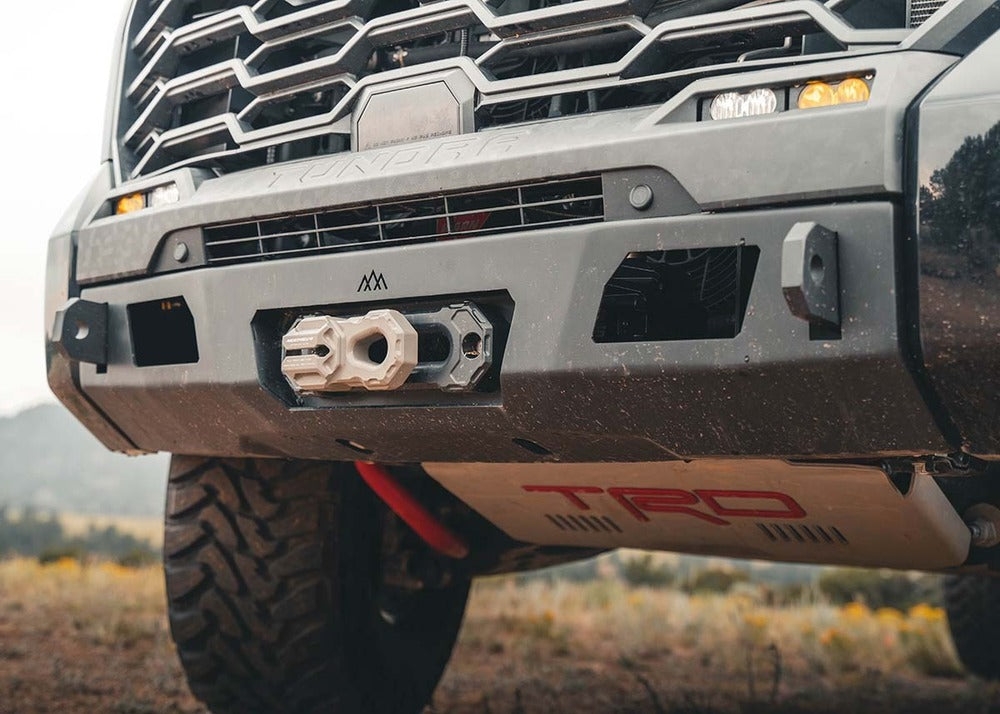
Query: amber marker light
x: 130, y: 204
x: 817, y: 94
x: 853, y: 91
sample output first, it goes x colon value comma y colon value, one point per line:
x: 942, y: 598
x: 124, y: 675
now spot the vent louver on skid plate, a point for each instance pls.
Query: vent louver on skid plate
x: 771, y: 510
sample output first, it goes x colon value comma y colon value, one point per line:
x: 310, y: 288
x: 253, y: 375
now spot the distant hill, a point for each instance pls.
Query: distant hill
x: 48, y: 461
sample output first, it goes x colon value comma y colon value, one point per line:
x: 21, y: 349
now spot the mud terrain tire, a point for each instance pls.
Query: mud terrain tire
x: 272, y: 572
x: 973, y: 606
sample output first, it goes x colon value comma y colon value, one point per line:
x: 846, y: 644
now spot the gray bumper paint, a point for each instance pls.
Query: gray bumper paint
x: 770, y: 391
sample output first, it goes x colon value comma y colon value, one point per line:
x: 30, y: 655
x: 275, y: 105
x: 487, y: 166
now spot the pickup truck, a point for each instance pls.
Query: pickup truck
x: 417, y: 292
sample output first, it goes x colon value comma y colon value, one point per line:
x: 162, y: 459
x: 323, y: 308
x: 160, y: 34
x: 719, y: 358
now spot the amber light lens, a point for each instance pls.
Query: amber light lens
x: 817, y: 94
x: 852, y: 91
x: 130, y: 204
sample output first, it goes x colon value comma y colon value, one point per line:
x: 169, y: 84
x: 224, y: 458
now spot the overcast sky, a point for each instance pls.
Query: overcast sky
x: 54, y: 69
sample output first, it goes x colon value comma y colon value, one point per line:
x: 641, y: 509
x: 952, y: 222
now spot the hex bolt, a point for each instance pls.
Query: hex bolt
x: 641, y: 197
x: 984, y: 533
x: 983, y: 521
x: 181, y: 252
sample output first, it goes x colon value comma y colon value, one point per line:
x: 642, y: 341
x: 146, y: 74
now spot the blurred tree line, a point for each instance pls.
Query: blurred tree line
x: 31, y: 533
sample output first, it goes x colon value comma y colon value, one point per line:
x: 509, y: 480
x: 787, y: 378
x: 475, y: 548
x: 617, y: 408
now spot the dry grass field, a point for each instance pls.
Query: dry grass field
x: 93, y: 638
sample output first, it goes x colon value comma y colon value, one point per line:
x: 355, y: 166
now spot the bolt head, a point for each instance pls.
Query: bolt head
x: 641, y: 197
x: 181, y: 252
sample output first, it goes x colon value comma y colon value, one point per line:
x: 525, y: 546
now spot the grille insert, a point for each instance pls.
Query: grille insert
x: 921, y: 10
x: 558, y: 202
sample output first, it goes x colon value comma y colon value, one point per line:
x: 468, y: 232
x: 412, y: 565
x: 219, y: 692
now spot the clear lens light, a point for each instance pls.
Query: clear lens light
x: 760, y: 101
x: 164, y: 195
x: 733, y: 105
x: 726, y: 106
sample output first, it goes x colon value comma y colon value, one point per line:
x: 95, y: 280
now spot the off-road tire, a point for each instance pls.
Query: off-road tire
x: 973, y: 607
x: 272, y: 572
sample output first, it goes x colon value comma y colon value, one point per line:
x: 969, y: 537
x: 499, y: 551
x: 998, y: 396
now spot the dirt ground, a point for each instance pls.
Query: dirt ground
x: 95, y: 640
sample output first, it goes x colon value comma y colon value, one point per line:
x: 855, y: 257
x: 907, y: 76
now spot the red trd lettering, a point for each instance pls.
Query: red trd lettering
x: 640, y: 501
x: 791, y: 509
x: 569, y: 492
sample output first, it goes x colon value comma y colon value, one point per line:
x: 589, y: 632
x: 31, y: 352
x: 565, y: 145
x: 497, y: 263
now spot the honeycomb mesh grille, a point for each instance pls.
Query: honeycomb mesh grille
x: 921, y: 10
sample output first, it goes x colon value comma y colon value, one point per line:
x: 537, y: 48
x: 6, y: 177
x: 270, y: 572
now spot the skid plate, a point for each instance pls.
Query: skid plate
x: 762, y: 509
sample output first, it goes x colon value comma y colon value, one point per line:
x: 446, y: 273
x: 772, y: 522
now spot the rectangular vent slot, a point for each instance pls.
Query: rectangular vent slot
x: 584, y: 524
x: 804, y: 534
x: 162, y: 333
x: 558, y: 202
x: 689, y: 294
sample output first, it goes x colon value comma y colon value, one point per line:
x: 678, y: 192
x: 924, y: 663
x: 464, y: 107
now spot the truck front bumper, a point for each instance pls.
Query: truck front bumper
x: 775, y: 389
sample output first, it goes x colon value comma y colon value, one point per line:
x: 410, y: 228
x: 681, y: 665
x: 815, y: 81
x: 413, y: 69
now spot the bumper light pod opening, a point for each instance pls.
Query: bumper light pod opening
x: 164, y: 195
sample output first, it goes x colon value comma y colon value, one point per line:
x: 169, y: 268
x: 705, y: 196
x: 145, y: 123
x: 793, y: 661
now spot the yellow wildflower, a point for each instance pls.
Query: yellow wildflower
x: 889, y: 616
x: 927, y: 613
x: 855, y: 611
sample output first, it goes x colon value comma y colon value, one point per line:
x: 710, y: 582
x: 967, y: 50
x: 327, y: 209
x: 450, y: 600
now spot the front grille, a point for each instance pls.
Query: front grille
x: 229, y: 85
x: 921, y: 10
x: 502, y: 209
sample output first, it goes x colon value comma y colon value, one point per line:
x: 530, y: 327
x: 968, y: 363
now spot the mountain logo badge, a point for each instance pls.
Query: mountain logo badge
x: 373, y: 282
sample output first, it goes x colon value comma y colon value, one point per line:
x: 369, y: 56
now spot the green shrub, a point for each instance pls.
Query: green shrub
x: 642, y: 571
x: 878, y: 588
x: 138, y: 558
x: 715, y: 580
x: 61, y: 552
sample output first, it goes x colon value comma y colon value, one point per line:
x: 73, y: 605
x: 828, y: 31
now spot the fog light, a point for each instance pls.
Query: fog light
x: 726, y: 106
x: 733, y: 105
x: 164, y: 195
x: 130, y: 204
x: 853, y: 90
x: 817, y: 94
x: 760, y: 101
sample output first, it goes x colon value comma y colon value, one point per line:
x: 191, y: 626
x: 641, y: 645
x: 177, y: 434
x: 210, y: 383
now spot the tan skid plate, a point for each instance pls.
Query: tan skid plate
x: 769, y: 510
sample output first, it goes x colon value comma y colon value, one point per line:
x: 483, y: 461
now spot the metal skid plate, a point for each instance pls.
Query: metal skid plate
x: 762, y: 509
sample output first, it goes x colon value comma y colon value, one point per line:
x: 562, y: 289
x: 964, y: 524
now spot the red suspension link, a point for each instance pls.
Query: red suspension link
x: 432, y: 531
